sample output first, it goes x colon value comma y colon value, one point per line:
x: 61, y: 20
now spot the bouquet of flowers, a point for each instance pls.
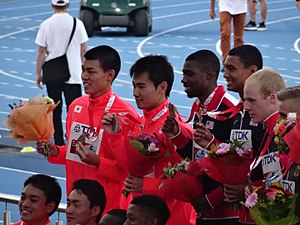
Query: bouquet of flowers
x: 180, y: 183
x: 228, y: 163
x: 272, y: 205
x: 32, y: 120
x: 225, y: 159
x: 141, y: 154
x: 281, y: 129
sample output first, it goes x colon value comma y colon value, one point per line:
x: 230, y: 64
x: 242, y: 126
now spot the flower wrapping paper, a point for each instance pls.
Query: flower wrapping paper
x: 31, y: 122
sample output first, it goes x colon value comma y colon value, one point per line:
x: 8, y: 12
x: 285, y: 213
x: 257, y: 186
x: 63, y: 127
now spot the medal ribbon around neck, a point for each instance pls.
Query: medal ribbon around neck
x: 197, y: 106
x: 91, y: 122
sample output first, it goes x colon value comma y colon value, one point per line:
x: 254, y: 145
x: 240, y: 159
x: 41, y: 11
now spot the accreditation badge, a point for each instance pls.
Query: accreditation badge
x: 242, y: 135
x: 289, y: 186
x: 271, y: 168
x: 77, y: 129
x: 199, y: 152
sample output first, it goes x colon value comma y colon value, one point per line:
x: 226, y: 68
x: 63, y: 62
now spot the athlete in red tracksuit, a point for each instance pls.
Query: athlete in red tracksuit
x: 152, y: 81
x: 88, y: 154
x: 220, y: 100
x: 200, y: 75
x: 109, y: 173
x: 152, y: 121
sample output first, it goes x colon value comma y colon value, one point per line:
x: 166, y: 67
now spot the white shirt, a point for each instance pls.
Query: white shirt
x: 54, y: 34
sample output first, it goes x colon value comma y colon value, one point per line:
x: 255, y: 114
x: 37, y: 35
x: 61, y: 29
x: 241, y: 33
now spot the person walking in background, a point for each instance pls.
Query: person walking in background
x: 40, y: 198
x: 86, y: 203
x: 230, y: 11
x: 252, y: 5
x: 88, y: 155
x: 52, y: 38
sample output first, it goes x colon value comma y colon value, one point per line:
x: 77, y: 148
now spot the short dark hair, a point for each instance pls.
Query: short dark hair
x: 118, y: 213
x: 289, y: 93
x: 49, y: 186
x: 107, y: 56
x: 249, y: 55
x: 158, y: 69
x: 94, y: 192
x: 207, y: 59
x: 153, y: 205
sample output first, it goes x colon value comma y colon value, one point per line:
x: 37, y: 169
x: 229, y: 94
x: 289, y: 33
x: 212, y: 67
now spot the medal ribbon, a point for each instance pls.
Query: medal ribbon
x: 220, y: 115
x: 91, y: 122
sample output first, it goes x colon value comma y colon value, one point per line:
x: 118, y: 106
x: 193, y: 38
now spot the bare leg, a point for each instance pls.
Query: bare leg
x: 252, y: 4
x: 263, y: 10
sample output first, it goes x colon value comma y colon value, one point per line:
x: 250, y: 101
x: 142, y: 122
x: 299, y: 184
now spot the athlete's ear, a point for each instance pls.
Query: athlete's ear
x: 110, y: 74
x: 253, y: 68
x: 273, y: 97
x: 209, y: 74
x: 162, y: 87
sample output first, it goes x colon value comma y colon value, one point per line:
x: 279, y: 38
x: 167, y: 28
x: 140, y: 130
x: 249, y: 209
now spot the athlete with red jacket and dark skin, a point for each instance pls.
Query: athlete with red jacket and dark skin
x: 200, y: 75
x: 88, y: 154
x: 241, y: 63
x: 152, y: 78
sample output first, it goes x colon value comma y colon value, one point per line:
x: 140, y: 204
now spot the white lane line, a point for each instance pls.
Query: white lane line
x: 297, y: 45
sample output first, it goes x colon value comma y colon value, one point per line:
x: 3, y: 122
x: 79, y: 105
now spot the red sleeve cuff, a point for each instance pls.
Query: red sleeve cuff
x: 215, y: 197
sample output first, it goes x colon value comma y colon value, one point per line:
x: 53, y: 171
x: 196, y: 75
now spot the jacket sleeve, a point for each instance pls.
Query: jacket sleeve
x: 61, y: 157
x: 184, y: 139
x: 150, y: 185
x: 114, y: 169
x: 215, y: 197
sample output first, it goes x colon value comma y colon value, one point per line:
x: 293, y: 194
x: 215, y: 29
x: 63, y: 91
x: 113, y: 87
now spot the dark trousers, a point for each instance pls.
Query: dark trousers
x: 217, y: 222
x: 55, y: 89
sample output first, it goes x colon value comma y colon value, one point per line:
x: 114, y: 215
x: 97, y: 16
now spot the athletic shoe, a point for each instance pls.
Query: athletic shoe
x: 262, y: 26
x: 251, y: 26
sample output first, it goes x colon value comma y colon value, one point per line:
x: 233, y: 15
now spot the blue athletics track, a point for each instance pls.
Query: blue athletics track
x: 179, y: 28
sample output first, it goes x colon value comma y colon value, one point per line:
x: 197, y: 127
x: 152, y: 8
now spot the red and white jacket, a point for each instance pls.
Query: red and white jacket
x: 84, y: 116
x: 151, y: 122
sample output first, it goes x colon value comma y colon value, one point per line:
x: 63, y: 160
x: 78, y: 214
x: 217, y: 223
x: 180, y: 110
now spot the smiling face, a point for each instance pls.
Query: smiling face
x: 259, y: 106
x: 147, y: 96
x: 194, y: 79
x: 32, y: 206
x: 96, y: 81
x: 235, y: 74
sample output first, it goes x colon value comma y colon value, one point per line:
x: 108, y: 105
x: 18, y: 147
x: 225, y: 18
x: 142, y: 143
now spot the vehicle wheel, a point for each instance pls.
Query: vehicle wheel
x: 129, y: 30
x: 141, y: 26
x: 87, y: 18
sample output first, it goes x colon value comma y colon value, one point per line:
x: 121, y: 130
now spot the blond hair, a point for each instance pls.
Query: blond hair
x: 269, y: 81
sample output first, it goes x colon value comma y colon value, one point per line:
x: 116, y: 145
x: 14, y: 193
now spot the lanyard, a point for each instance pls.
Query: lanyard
x: 157, y: 116
x: 197, y: 106
x: 220, y: 115
x: 108, y: 106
